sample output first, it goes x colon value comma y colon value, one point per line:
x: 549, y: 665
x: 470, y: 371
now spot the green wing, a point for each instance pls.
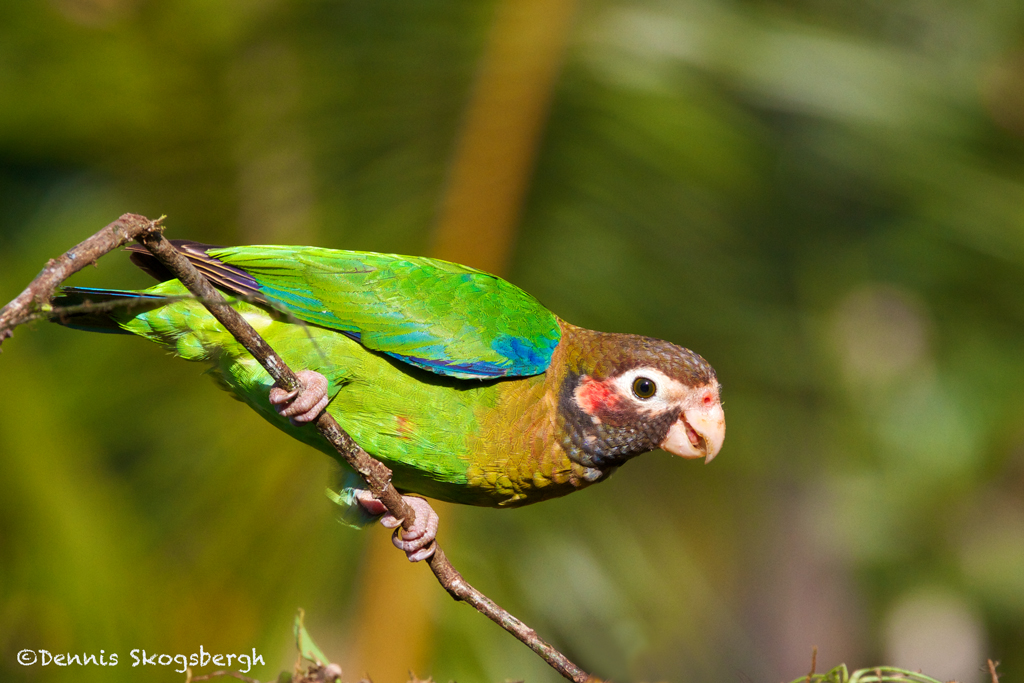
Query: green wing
x: 440, y: 316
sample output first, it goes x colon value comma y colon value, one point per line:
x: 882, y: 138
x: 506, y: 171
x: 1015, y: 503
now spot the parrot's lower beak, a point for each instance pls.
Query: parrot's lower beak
x: 698, y: 433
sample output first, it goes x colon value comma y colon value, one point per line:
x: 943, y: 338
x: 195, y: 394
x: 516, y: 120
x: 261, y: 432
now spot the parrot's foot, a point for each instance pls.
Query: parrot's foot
x: 305, y: 403
x: 417, y: 542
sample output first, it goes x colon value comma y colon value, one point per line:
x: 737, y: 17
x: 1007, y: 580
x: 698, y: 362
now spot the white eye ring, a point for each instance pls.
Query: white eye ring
x: 668, y: 392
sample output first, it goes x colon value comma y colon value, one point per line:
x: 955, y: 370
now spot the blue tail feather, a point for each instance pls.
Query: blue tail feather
x: 97, y: 321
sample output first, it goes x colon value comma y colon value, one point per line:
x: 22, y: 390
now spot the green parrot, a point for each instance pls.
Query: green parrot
x: 460, y: 382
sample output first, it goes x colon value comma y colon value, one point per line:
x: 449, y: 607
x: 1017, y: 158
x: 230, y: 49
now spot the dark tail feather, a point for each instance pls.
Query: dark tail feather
x: 148, y: 263
x: 100, y: 313
x: 226, y: 277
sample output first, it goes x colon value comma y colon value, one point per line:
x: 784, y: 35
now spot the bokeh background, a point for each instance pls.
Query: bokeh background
x: 825, y: 198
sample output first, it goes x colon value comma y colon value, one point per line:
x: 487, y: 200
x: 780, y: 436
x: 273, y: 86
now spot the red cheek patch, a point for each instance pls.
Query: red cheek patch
x: 596, y: 397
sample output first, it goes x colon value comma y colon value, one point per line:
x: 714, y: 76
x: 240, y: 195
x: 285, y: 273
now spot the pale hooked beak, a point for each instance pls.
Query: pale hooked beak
x: 698, y: 433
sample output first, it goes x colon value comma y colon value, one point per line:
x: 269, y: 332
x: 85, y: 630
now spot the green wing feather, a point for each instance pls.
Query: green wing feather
x: 440, y: 316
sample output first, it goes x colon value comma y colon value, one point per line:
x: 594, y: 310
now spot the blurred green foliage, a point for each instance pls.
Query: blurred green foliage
x: 824, y: 198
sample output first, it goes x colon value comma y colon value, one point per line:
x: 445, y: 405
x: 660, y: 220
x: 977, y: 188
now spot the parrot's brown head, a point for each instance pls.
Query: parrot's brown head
x: 626, y: 394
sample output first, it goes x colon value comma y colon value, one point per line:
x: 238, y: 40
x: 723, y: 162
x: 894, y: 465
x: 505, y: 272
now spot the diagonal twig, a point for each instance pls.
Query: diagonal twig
x: 36, y: 297
x: 35, y: 300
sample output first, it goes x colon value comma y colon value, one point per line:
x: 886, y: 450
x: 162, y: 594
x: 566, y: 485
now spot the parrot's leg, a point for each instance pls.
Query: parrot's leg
x: 417, y: 542
x: 305, y: 403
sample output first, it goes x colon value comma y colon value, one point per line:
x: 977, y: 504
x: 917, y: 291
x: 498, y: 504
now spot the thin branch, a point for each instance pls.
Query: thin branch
x: 36, y: 297
x: 814, y: 664
x: 27, y: 305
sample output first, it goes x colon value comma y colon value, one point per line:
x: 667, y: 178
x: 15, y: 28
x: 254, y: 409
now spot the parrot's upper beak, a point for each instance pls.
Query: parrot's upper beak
x: 698, y: 433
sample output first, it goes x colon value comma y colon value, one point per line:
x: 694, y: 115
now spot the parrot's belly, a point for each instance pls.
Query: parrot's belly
x: 491, y: 445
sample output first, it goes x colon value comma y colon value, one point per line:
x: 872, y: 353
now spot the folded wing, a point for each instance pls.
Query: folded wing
x: 439, y: 316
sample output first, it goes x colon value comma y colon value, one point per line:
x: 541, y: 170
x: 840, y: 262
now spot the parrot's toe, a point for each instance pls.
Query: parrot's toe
x: 370, y: 503
x: 417, y: 541
x: 306, y: 403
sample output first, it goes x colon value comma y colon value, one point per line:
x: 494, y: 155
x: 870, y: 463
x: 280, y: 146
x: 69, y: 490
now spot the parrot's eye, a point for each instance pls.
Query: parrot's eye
x: 644, y: 388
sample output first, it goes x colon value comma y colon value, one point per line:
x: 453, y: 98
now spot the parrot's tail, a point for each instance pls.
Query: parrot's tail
x: 101, y: 310
x: 223, y: 276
